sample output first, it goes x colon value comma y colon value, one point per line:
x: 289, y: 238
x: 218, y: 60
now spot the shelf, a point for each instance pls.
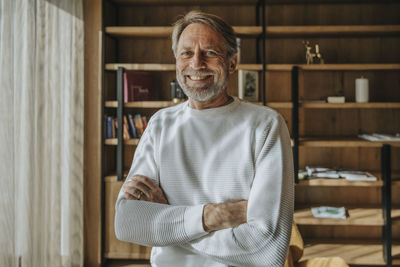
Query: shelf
x: 338, y: 182
x: 333, y: 67
x: 341, y: 142
x: 357, y: 216
x: 166, y: 67
x: 142, y: 104
x: 128, y: 142
x: 339, y: 30
x: 361, y: 252
x: 279, y: 104
x: 348, y: 105
x: 166, y: 31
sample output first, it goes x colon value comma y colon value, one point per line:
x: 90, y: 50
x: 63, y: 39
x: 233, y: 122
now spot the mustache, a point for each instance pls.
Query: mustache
x: 198, y: 72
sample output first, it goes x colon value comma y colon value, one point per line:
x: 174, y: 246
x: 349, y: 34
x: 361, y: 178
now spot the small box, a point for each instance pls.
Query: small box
x: 336, y: 99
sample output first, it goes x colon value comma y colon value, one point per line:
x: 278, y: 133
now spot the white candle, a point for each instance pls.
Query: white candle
x: 362, y: 90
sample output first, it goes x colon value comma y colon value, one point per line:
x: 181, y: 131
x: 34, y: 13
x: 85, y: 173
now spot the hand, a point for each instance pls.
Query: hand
x: 140, y: 187
x: 224, y: 215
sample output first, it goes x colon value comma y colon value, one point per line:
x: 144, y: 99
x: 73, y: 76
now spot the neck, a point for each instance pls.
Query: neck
x: 220, y: 100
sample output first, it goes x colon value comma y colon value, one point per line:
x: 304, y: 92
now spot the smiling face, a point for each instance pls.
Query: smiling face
x: 202, y: 64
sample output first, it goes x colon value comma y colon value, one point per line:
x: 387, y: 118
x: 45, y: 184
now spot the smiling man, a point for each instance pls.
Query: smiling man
x: 211, y: 183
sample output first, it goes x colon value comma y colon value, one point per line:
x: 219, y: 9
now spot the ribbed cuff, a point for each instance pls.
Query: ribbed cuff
x: 193, y: 221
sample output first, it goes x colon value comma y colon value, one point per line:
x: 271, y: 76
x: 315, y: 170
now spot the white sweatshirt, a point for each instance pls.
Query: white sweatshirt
x: 237, y: 151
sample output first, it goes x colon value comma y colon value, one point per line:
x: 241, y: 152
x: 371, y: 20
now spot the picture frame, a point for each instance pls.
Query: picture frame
x: 248, y: 85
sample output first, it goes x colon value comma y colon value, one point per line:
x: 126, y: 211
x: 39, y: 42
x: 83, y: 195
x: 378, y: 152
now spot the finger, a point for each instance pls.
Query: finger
x: 128, y: 196
x: 132, y: 191
x: 145, y: 180
x: 143, y: 188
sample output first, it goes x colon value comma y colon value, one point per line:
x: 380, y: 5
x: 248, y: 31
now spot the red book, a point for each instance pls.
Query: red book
x: 139, y: 86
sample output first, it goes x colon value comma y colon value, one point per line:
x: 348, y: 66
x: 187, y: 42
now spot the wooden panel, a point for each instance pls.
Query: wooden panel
x: 335, y: 50
x: 92, y: 145
x: 339, y: 196
x: 334, y: 14
x: 345, y: 232
x: 238, y: 15
x: 348, y: 122
x: 113, y: 247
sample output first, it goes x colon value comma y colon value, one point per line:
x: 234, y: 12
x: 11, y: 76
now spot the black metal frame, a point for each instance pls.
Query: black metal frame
x: 120, y: 121
x: 261, y: 3
x: 386, y: 203
x: 295, y: 121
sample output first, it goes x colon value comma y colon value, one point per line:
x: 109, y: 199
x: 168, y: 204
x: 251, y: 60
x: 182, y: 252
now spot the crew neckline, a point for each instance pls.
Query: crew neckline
x: 213, y: 111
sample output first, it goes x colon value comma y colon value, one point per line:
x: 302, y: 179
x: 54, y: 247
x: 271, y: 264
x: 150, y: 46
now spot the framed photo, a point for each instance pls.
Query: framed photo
x: 248, y: 85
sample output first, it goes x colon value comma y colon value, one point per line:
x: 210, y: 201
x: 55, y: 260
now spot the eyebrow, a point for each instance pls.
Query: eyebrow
x: 206, y: 47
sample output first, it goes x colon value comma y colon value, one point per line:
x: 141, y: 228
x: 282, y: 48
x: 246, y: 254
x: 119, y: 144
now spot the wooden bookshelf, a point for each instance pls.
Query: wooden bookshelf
x: 136, y: 38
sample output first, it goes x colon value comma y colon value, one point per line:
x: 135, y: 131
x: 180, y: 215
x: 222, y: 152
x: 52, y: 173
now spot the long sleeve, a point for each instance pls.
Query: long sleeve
x: 264, y: 239
x: 153, y: 224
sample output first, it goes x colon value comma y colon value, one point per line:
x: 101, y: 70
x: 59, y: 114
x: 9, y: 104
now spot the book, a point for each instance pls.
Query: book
x: 139, y: 86
x: 132, y: 128
x: 109, y: 127
x: 126, y: 132
x: 137, y: 119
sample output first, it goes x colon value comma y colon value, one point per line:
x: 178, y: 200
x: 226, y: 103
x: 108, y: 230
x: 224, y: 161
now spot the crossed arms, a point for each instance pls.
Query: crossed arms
x: 253, y: 232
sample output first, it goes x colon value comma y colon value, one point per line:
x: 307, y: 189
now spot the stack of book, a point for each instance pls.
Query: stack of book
x: 134, y: 126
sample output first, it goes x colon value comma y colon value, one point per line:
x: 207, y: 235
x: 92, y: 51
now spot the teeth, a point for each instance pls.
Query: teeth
x: 197, y: 78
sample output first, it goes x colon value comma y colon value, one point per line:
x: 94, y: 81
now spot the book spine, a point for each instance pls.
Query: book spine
x: 126, y: 95
x: 132, y: 128
x: 109, y: 127
x: 137, y: 119
x: 126, y: 132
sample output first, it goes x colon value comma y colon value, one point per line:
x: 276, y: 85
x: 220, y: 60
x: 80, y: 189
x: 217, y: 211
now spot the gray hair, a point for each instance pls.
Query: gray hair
x: 215, y: 22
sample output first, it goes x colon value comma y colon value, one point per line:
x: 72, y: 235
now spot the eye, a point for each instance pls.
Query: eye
x: 186, y: 53
x: 211, y: 53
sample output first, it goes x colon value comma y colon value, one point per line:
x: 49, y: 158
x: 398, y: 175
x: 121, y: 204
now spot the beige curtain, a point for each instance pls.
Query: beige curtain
x: 41, y: 133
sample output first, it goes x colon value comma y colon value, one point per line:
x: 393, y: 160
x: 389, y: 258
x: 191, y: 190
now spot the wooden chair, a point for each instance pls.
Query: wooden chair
x: 296, y: 248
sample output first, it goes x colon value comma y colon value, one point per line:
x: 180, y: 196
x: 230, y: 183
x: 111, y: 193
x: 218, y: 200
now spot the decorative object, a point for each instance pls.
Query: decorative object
x: 362, y: 90
x: 248, y: 85
x: 313, y: 58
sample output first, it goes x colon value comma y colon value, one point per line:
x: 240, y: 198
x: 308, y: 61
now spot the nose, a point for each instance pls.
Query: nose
x: 197, y: 61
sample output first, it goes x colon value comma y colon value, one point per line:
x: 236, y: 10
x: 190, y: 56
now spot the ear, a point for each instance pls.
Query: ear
x: 233, y: 64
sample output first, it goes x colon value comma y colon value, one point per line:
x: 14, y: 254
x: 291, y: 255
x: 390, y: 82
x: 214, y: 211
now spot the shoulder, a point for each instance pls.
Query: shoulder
x: 166, y: 115
x: 259, y: 114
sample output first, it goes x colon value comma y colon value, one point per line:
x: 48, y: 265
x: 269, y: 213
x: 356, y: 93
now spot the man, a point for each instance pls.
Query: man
x: 211, y: 183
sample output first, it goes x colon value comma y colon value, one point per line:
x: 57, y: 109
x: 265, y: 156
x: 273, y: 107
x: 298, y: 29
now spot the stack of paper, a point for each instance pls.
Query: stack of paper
x: 381, y: 137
